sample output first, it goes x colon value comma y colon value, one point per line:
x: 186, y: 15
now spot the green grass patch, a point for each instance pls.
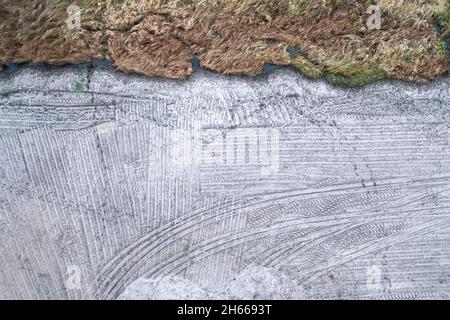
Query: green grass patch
x: 353, y: 75
x: 79, y: 85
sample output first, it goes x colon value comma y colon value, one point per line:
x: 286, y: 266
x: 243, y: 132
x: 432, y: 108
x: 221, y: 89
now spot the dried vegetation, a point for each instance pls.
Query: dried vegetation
x: 327, y: 38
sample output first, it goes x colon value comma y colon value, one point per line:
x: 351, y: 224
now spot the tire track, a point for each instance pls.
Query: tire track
x: 188, y: 224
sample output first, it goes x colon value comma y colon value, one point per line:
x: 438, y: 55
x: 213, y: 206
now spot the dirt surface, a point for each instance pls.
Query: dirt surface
x: 327, y: 39
x: 128, y: 186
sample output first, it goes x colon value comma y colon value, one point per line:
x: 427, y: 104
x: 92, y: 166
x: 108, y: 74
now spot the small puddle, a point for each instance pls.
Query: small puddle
x: 268, y: 68
x: 196, y: 64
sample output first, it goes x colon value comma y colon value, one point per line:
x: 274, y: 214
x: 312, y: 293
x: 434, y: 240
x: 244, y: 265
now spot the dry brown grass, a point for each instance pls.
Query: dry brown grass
x: 160, y: 37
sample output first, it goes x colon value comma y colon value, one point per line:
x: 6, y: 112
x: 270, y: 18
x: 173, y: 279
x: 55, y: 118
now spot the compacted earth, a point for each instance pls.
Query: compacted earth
x: 126, y: 186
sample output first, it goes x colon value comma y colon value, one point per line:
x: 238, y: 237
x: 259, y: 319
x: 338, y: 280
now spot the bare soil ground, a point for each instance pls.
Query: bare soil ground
x: 327, y: 38
x: 278, y: 187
